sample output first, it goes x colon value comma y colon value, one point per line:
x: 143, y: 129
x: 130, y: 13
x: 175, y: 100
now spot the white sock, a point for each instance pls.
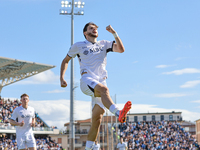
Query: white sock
x: 113, y: 109
x: 89, y: 145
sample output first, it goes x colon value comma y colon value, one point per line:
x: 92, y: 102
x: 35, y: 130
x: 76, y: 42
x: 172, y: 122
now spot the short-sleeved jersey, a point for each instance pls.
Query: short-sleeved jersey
x: 122, y: 146
x: 22, y: 114
x: 92, y: 56
x: 96, y: 147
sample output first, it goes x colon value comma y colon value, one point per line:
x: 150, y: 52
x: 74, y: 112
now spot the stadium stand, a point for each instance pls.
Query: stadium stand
x: 140, y: 135
x: 12, y: 71
x: 7, y: 139
x: 157, y: 135
x: 150, y: 135
x: 44, y: 143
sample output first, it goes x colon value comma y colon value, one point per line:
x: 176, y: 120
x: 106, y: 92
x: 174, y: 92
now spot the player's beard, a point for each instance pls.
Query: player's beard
x: 92, y: 35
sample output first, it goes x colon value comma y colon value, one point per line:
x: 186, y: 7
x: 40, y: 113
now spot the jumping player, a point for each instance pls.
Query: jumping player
x: 92, y: 59
x: 23, y: 118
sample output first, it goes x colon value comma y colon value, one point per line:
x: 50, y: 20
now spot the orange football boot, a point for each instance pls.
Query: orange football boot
x: 124, y: 111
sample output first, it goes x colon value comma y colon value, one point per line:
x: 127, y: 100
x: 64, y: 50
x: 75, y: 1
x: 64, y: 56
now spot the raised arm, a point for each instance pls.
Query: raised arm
x: 118, y: 46
x: 63, y: 68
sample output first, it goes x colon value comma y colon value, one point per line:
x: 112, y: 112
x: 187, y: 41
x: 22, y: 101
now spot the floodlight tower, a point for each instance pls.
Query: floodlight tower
x: 72, y: 8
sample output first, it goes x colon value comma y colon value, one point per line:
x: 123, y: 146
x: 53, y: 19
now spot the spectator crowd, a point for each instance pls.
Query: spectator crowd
x: 44, y: 143
x: 157, y: 135
x: 152, y: 135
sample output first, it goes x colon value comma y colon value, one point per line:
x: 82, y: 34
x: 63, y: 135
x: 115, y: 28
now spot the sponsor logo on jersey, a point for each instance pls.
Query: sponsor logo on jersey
x: 85, y: 52
x: 92, y: 50
x: 97, y: 49
x: 25, y: 116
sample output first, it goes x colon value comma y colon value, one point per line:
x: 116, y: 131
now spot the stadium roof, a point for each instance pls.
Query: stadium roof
x: 13, y: 70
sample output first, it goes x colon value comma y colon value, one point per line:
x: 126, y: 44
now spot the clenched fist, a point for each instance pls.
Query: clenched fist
x: 110, y: 29
x: 63, y: 83
x: 21, y: 124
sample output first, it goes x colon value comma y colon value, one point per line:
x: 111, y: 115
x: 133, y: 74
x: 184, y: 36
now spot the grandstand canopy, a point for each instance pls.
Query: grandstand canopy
x: 13, y: 70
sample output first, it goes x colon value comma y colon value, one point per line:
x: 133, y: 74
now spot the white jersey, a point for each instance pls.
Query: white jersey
x: 25, y: 115
x: 92, y: 57
x: 96, y: 147
x: 122, y: 146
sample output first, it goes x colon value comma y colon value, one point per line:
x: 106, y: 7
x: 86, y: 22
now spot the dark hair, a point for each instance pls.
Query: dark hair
x: 24, y: 95
x: 85, y: 27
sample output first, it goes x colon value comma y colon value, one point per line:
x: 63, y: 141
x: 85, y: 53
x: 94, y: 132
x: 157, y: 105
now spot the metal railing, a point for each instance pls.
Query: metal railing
x: 7, y: 127
x: 34, y: 128
x: 42, y: 129
x: 77, y: 132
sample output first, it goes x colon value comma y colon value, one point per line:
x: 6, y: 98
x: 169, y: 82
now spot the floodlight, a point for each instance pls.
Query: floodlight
x: 70, y: 11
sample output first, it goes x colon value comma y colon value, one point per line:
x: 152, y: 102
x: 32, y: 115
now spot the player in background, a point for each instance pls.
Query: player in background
x: 92, y: 59
x: 23, y: 117
x: 96, y: 146
x: 122, y: 145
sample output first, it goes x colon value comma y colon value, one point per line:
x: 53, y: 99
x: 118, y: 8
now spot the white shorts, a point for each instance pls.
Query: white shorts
x: 24, y: 141
x: 87, y: 84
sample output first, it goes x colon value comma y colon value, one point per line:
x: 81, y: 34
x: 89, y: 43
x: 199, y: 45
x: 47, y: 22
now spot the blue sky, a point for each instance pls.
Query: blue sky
x: 159, y: 70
